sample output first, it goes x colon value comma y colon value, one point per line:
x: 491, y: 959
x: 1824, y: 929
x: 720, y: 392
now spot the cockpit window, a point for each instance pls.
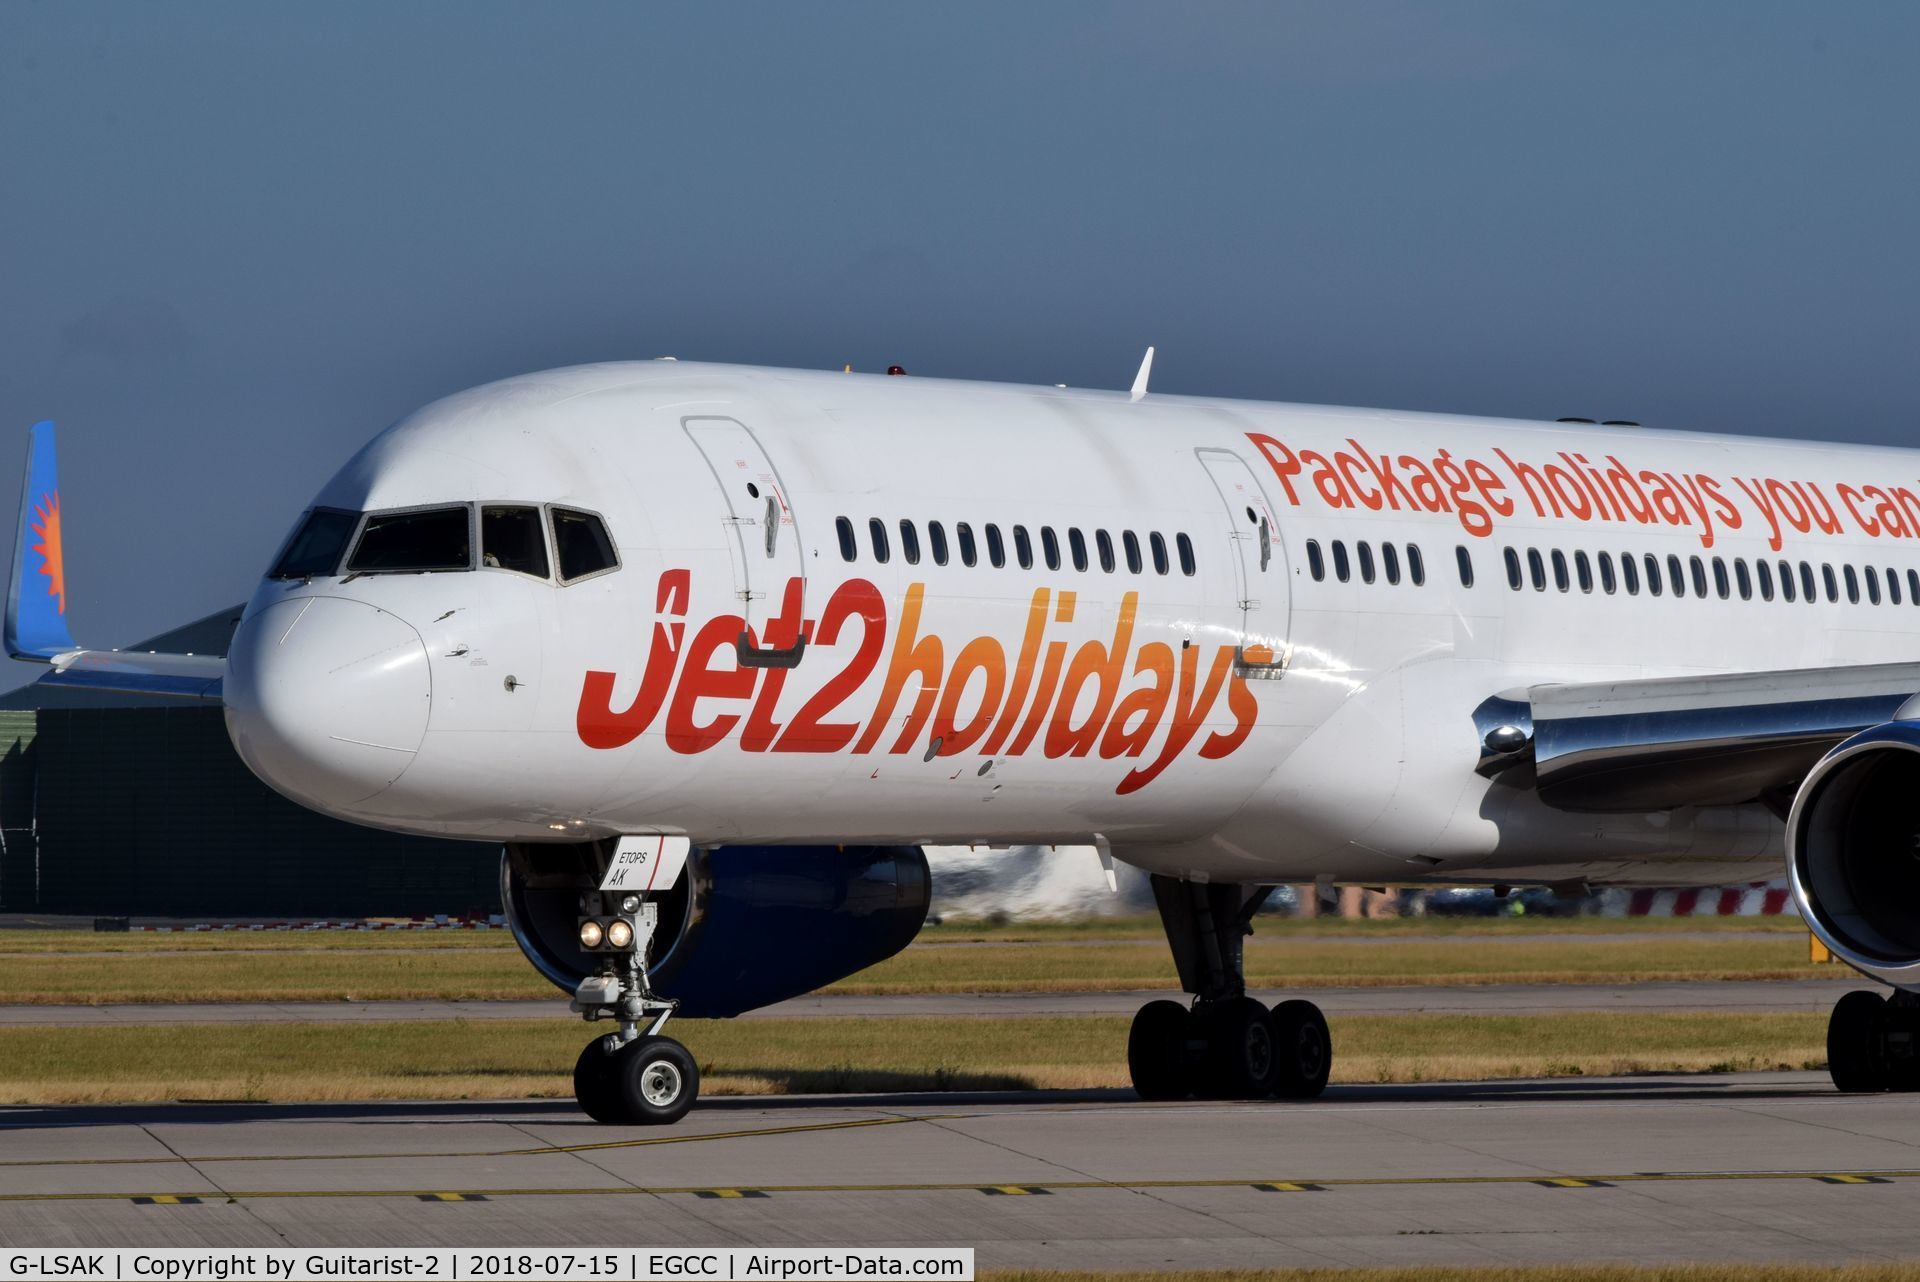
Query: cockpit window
x: 429, y: 539
x: 315, y: 548
x: 581, y: 544
x: 511, y: 539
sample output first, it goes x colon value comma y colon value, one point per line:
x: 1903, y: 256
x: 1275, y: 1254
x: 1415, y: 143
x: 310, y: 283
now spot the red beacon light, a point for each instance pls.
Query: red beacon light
x: 896, y: 369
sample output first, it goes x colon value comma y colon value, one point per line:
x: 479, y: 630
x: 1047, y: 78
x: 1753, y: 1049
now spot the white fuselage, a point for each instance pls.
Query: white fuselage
x: 1250, y: 721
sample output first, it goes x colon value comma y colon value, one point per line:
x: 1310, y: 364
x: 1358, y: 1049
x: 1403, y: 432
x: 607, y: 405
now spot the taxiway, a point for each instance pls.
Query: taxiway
x: 1726, y: 1168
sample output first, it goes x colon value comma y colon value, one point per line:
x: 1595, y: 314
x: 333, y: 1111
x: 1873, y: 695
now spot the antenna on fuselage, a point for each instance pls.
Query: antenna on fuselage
x: 1140, y: 379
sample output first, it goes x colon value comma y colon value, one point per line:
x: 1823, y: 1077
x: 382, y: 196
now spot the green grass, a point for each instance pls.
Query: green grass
x: 455, y: 1059
x: 155, y: 968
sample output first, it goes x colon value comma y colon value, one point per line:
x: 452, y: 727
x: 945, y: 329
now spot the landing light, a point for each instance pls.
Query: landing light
x: 590, y: 934
x: 631, y: 904
x: 620, y: 934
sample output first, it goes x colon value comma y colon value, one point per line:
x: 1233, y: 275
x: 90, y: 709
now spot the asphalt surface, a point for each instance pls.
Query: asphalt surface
x: 1725, y: 1168
x: 1510, y: 999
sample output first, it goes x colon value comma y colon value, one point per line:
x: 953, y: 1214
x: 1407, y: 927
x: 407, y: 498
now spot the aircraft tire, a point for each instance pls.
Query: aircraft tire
x: 656, y: 1080
x: 1857, y: 1044
x: 1304, y: 1050
x: 1157, y: 1051
x: 593, y: 1084
x: 1242, y: 1050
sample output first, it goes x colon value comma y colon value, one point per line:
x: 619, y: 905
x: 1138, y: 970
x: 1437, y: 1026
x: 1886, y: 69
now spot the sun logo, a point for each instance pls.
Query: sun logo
x: 52, y: 562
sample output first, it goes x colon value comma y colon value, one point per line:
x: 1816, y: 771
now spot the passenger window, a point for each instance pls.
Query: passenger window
x: 1583, y: 571
x: 969, y: 554
x: 1873, y: 585
x: 1808, y: 592
x: 1853, y: 585
x: 437, y: 539
x: 1699, y: 576
x: 1786, y: 582
x: 848, y: 548
x: 581, y: 544
x: 315, y: 548
x: 1463, y: 561
x: 996, y: 547
x: 1103, y: 542
x: 1390, y: 562
x: 937, y: 542
x: 511, y: 539
x: 1077, y: 547
x: 1606, y: 571
x: 1764, y: 573
x: 1513, y: 569
x: 877, y: 535
x: 1720, y: 578
x: 1365, y: 550
x: 1913, y: 586
x: 1559, y: 569
x: 1629, y: 574
x: 1184, y: 546
x: 1416, y: 565
x: 1050, y: 547
x: 1340, y: 569
x: 1130, y: 544
x: 1653, y: 574
x: 1022, y: 547
x: 1536, y: 570
x: 1893, y: 586
x: 909, y: 542
x: 1742, y: 581
x: 1833, y: 585
x: 1158, y: 546
x: 1676, y: 577
x: 1316, y: 564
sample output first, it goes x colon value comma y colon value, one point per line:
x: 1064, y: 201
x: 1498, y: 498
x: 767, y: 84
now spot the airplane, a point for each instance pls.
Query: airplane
x: 713, y: 652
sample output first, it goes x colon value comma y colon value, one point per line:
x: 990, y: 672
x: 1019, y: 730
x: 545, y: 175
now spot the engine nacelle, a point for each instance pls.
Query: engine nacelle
x: 1853, y: 852
x: 746, y: 926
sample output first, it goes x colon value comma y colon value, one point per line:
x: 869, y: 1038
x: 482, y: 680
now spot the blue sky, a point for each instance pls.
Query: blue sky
x: 238, y: 239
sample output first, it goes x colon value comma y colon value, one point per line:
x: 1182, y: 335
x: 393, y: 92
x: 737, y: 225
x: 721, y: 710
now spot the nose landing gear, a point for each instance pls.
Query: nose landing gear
x: 629, y: 1077
x: 647, y: 1081
x: 1227, y: 1045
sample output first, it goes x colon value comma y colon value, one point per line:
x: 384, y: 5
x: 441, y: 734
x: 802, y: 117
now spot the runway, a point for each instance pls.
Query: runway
x: 1752, y: 997
x: 1725, y: 1168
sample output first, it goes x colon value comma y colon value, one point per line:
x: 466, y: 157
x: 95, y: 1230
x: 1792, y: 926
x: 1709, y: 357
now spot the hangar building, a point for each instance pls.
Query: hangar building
x: 117, y: 805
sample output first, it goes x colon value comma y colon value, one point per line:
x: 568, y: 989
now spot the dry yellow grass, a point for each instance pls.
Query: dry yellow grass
x: 454, y: 1059
x: 157, y: 969
x: 1324, y: 962
x: 1772, y: 1272
x: 1499, y: 927
x: 67, y: 942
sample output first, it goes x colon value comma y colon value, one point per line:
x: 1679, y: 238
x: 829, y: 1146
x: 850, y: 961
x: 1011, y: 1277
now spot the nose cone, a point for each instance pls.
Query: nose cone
x: 327, y: 698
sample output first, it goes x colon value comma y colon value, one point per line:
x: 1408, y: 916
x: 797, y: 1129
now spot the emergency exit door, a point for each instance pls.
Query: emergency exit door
x: 1258, y: 564
x: 762, y: 538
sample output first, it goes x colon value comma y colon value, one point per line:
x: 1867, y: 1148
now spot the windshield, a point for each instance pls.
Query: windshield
x: 315, y: 548
x: 431, y: 539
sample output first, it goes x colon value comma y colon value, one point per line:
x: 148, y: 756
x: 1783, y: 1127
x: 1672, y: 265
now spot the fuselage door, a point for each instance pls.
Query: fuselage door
x: 763, y: 540
x: 1259, y: 561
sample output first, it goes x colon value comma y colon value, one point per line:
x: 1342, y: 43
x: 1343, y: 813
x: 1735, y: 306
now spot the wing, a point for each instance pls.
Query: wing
x: 36, y: 624
x: 1685, y: 741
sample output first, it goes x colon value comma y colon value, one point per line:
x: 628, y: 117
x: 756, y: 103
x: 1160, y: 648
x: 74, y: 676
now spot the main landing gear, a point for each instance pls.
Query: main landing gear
x: 1873, y: 1042
x: 630, y: 1077
x: 1226, y: 1045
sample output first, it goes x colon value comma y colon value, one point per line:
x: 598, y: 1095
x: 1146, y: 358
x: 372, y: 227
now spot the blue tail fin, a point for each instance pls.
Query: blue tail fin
x: 37, y: 599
